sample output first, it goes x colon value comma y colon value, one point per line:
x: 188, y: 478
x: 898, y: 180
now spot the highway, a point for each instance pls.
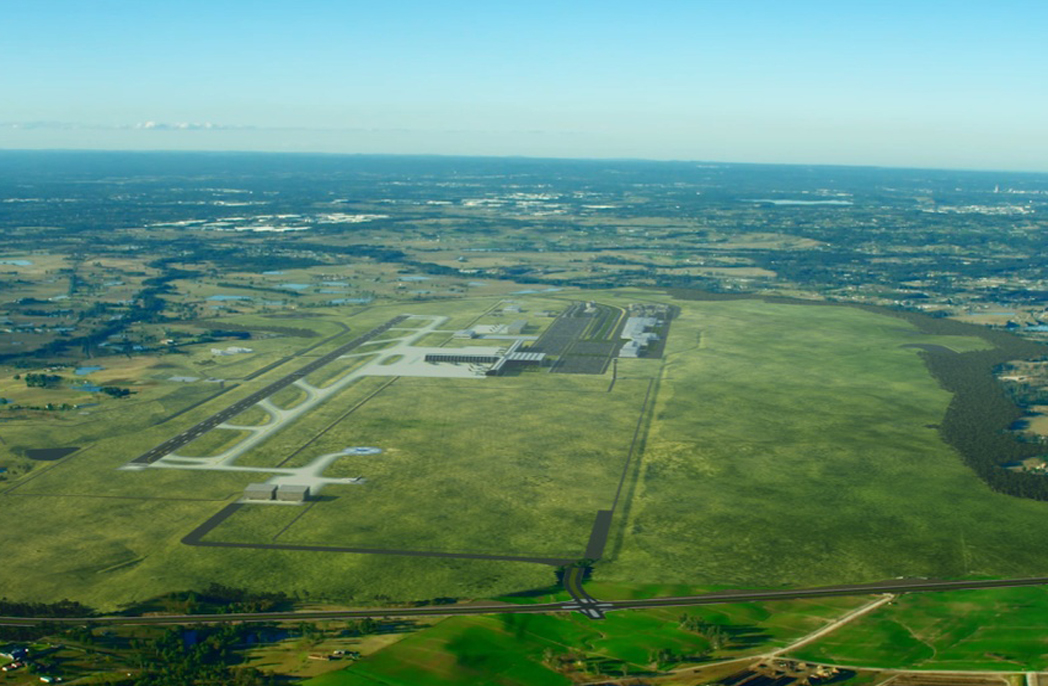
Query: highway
x: 194, y: 432
x: 582, y: 602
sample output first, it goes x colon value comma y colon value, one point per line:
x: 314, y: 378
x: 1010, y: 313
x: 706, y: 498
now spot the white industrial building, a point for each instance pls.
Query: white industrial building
x: 637, y: 335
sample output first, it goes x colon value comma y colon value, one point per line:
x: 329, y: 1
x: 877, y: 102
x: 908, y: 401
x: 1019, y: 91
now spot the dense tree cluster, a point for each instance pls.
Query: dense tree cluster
x: 217, y: 598
x: 202, y: 656
x: 62, y: 608
x: 116, y: 391
x: 42, y: 380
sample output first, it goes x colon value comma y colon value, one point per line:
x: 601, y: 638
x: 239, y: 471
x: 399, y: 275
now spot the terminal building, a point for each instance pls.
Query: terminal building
x: 498, y: 359
x: 514, y: 328
x: 636, y: 331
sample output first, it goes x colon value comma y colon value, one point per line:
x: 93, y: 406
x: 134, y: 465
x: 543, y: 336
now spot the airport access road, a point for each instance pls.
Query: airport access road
x: 581, y: 601
x: 896, y: 586
x: 197, y: 430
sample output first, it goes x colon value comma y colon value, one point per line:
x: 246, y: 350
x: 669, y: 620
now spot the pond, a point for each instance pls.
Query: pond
x: 49, y: 454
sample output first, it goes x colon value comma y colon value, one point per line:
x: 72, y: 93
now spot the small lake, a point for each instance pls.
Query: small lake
x: 413, y: 278
x: 230, y: 297
x: 17, y: 263
x: 528, y: 291
x: 49, y: 454
x: 84, y: 371
x: 295, y: 286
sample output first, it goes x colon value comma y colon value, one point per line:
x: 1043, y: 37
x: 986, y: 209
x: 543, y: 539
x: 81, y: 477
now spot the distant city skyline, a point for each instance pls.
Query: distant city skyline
x: 924, y: 83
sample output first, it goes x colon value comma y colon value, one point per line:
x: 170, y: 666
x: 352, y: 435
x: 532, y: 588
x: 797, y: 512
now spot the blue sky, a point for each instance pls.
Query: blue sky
x: 918, y: 83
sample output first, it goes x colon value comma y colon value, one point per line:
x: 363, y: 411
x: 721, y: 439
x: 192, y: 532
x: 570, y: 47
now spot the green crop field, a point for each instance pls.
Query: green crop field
x: 999, y: 629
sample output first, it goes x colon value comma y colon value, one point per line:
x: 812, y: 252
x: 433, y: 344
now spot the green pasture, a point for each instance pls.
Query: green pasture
x: 998, y: 629
x: 793, y: 445
x: 529, y: 649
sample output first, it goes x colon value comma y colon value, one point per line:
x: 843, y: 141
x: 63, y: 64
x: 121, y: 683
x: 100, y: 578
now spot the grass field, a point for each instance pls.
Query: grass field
x: 213, y: 442
x: 1001, y: 629
x: 796, y: 445
x: 253, y: 416
x: 331, y: 373
x: 482, y: 466
x: 288, y: 397
x: 787, y: 445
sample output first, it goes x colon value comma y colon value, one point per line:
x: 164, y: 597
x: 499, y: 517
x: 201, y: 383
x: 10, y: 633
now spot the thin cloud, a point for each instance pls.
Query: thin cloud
x: 147, y: 126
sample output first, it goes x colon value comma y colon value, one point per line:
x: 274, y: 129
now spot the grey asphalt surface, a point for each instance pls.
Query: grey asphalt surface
x: 721, y: 597
x: 194, y: 432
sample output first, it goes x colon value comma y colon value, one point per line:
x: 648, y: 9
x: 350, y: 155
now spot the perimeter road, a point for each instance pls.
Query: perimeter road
x: 196, y: 538
x: 194, y: 432
x: 720, y: 598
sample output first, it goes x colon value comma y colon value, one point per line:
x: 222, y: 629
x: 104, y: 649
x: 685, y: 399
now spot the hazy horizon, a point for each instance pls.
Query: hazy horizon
x: 536, y: 158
